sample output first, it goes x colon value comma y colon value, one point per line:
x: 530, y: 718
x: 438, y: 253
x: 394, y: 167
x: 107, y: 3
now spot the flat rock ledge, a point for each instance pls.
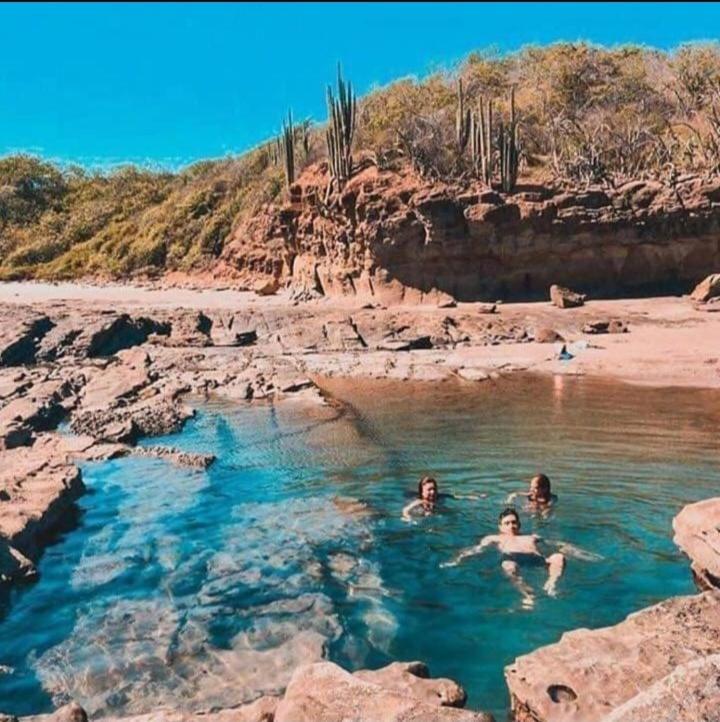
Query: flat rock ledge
x: 697, y: 533
x: 37, y: 491
x: 651, y: 666
x: 324, y: 692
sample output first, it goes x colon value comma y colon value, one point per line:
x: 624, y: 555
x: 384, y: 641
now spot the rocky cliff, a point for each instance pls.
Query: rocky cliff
x: 397, y: 237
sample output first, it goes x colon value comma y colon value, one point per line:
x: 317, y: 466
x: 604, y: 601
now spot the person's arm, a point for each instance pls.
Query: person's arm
x: 477, y: 549
x: 406, y: 511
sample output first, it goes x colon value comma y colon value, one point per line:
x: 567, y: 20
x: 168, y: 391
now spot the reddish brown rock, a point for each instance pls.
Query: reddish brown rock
x: 37, y: 490
x: 324, y: 692
x: 261, y: 710
x: 707, y: 288
x: 547, y: 335
x: 565, y: 298
x: 71, y: 712
x: 267, y: 287
x: 691, y: 693
x: 697, y: 533
x: 413, y: 679
x: 394, y: 235
x: 589, y: 674
x: 230, y: 330
x: 20, y: 339
x: 599, y: 327
x: 102, y: 336
x: 176, y: 456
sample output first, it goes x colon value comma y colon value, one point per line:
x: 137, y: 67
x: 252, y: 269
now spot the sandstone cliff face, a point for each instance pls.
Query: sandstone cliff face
x: 396, y: 237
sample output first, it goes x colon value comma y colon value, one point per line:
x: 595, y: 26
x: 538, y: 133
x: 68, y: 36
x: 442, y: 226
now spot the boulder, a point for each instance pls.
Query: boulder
x: 708, y: 288
x: 589, y: 674
x: 547, y: 335
x: 267, y: 287
x: 599, y: 327
x: 697, y: 533
x: 565, y: 298
x: 324, y: 692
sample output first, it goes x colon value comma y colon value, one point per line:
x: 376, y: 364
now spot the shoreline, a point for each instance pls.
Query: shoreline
x: 666, y: 343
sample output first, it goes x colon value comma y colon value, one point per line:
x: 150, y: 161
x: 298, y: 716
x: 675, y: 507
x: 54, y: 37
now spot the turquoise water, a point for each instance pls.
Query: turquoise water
x: 205, y: 588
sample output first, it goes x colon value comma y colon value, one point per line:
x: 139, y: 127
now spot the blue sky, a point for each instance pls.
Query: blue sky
x: 170, y: 83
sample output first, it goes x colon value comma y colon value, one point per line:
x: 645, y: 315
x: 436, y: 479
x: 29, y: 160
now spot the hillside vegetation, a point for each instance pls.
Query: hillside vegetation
x: 583, y: 115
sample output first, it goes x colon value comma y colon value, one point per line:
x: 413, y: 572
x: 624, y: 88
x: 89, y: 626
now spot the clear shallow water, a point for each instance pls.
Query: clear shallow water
x: 206, y: 588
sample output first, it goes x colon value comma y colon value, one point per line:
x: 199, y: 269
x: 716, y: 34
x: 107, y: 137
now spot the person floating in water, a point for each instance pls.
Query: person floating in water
x: 428, y: 497
x: 539, y: 495
x: 518, y: 550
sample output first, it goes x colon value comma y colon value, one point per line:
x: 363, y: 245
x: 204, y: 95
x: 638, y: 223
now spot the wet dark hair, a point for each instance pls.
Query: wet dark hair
x: 508, y: 511
x: 423, y: 481
x: 543, y: 485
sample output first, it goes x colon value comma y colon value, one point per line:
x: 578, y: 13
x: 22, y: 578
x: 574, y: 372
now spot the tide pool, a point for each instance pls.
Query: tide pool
x: 202, y: 589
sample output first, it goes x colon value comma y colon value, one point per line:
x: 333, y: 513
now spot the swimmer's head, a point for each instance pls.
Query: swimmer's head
x: 427, y: 489
x: 509, y: 521
x: 540, y: 489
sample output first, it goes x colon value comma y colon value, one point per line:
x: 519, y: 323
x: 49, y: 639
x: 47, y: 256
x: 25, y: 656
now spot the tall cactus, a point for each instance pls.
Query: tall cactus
x: 509, y: 155
x: 462, y: 120
x: 341, y: 129
x: 287, y: 143
x: 481, y: 149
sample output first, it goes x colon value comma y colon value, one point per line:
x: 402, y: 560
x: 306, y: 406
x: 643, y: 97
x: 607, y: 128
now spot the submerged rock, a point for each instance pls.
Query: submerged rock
x: 177, y: 456
x: 589, y: 674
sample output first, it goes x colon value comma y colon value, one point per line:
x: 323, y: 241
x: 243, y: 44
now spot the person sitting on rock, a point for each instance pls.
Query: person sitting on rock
x: 428, y: 497
x: 517, y: 550
x: 539, y: 495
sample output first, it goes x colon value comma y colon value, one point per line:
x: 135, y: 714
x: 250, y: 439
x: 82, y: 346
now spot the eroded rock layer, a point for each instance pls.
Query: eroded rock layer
x: 395, y: 237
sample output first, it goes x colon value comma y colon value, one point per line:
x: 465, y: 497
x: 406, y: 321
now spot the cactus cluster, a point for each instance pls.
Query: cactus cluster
x: 287, y: 148
x: 463, y: 120
x: 509, y: 156
x: 341, y: 129
x: 481, y: 151
x: 486, y: 146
